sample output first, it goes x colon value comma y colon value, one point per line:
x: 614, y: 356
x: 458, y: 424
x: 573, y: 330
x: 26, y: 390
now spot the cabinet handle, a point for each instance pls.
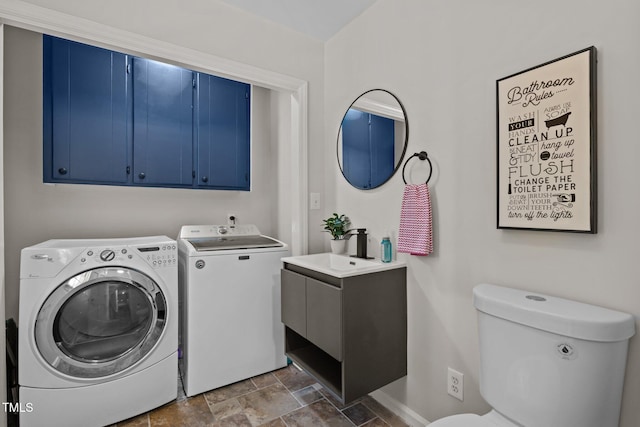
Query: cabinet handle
x: 141, y: 175
x: 62, y: 171
x: 205, y: 179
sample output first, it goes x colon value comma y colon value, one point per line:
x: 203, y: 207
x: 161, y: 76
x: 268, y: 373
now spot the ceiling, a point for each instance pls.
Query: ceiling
x: 320, y: 19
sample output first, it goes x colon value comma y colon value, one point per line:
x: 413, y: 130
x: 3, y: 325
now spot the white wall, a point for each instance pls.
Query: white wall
x: 442, y: 60
x: 215, y: 28
x: 37, y: 212
x: 3, y: 371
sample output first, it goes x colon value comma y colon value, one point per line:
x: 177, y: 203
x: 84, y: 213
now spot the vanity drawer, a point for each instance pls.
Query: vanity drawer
x: 324, y: 317
x: 313, y: 309
x: 294, y: 301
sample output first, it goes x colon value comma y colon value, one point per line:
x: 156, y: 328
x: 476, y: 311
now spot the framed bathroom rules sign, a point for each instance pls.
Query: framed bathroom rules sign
x: 546, y: 159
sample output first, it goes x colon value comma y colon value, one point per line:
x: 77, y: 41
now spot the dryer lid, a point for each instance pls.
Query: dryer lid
x: 205, y: 244
x: 206, y: 238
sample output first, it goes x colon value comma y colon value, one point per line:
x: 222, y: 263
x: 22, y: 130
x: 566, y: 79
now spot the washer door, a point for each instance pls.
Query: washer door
x: 100, y: 322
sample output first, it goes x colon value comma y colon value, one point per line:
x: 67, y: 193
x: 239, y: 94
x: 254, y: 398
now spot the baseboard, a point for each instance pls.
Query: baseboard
x: 409, y: 416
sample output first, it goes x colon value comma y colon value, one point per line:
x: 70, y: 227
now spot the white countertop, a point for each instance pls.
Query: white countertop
x: 341, y: 266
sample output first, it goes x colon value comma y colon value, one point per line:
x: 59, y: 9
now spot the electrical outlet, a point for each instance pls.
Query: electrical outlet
x: 232, y: 219
x: 455, y: 383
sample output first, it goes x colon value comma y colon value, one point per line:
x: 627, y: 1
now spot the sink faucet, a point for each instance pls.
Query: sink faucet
x: 361, y: 243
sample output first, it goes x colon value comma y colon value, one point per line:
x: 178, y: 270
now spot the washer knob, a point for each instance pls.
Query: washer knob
x: 222, y: 230
x: 107, y: 255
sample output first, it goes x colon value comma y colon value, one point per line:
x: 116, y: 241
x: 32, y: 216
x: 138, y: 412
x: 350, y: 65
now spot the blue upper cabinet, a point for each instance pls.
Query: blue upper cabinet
x: 222, y: 129
x: 162, y: 124
x: 85, y: 113
x: 109, y: 118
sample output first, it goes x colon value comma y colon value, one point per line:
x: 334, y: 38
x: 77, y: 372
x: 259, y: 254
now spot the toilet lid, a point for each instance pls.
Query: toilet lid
x: 463, y: 420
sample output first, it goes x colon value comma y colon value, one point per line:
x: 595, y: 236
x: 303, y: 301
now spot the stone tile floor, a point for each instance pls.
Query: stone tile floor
x: 287, y: 397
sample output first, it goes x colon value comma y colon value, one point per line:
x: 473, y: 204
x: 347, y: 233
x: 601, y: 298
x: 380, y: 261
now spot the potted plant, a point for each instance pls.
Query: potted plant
x: 337, y: 225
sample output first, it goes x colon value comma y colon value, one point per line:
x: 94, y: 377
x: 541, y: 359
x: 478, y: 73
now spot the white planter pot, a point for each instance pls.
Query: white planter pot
x: 338, y: 246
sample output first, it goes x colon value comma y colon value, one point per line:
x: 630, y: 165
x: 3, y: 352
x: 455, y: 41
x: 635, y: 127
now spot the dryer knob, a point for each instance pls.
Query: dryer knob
x: 107, y: 255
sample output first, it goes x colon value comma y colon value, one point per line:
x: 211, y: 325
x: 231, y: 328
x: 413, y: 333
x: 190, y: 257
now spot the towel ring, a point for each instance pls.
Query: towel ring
x: 422, y: 156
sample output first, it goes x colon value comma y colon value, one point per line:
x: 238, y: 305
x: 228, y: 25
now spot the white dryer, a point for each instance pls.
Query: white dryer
x: 229, y: 279
x: 98, y: 333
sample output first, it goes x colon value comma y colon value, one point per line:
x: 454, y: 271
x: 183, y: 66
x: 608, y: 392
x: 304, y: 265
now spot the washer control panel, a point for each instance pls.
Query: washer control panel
x: 158, y: 256
x: 195, y: 231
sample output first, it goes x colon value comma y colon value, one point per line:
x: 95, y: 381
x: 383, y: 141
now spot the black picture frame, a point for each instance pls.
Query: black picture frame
x: 546, y: 146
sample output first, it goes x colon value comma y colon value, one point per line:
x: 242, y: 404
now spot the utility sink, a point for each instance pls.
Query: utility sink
x: 341, y: 265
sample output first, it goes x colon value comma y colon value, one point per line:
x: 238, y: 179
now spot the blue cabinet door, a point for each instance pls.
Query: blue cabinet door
x: 85, y: 113
x: 223, y: 147
x: 162, y: 124
x: 356, y: 148
x: 382, y: 140
x: 367, y: 148
x: 109, y: 118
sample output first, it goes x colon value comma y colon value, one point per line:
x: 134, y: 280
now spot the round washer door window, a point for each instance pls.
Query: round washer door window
x: 100, y: 322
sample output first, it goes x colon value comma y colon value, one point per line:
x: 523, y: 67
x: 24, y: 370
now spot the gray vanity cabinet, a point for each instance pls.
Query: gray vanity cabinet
x: 313, y: 309
x: 349, y: 333
x: 324, y: 317
x: 294, y: 302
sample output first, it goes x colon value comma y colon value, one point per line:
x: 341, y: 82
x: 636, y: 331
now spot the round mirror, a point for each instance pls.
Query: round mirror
x: 372, y: 139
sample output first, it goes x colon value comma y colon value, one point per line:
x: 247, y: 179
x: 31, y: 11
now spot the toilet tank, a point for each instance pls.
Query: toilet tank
x: 547, y: 361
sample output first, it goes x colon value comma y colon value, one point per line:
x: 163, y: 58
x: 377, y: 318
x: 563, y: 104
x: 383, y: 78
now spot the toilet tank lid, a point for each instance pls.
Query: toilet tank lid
x: 556, y: 315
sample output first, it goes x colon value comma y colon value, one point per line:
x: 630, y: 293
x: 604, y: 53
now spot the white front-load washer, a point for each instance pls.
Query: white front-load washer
x: 229, y: 278
x: 98, y: 333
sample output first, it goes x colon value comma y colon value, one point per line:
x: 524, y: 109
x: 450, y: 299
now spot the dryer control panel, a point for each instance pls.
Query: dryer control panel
x: 48, y: 258
x: 158, y: 256
x: 161, y: 255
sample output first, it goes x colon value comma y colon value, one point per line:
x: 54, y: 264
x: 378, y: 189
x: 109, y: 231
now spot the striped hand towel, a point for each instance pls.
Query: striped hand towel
x: 415, y: 236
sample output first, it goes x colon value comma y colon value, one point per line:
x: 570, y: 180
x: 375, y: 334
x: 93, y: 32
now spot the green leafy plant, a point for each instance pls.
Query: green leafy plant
x: 337, y: 225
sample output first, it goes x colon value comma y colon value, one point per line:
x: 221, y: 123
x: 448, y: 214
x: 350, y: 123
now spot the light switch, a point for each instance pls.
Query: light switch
x: 314, y: 201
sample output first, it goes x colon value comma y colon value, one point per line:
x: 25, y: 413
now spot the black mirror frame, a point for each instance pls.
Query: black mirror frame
x: 404, y: 148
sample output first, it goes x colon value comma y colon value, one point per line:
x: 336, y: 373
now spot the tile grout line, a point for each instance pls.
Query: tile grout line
x: 340, y: 411
x: 298, y: 401
x: 288, y: 391
x: 376, y: 413
x: 303, y: 405
x: 284, y: 422
x: 257, y: 388
x: 276, y: 381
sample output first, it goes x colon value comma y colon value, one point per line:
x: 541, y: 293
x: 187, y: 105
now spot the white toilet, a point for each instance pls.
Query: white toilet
x: 547, y: 362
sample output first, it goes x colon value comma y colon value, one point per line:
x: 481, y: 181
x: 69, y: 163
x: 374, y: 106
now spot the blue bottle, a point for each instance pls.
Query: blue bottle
x: 385, y: 250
